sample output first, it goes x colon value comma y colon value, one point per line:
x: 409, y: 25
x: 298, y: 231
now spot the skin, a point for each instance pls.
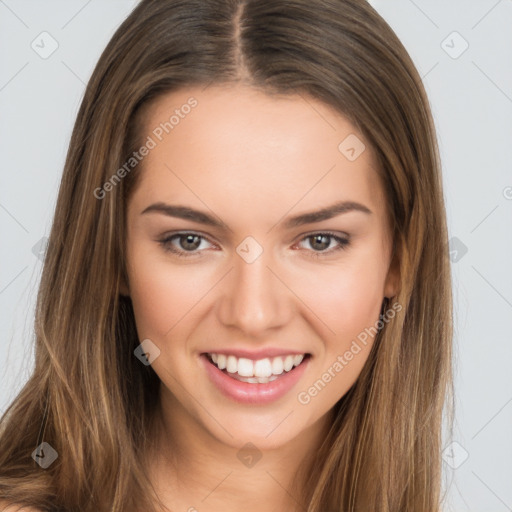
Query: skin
x: 251, y: 160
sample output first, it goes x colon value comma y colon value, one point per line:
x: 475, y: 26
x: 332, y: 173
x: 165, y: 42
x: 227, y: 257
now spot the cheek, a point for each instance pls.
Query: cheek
x: 346, y: 297
x: 346, y: 300
x: 162, y: 294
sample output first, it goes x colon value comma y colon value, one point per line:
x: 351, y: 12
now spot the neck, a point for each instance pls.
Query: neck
x: 194, y: 471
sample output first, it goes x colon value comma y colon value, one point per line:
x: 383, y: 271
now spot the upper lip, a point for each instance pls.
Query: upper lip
x: 256, y: 354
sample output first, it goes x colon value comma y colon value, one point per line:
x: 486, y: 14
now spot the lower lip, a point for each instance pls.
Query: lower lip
x: 247, y: 393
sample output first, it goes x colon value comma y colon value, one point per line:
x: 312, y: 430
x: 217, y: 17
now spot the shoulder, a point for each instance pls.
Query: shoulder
x: 6, y: 506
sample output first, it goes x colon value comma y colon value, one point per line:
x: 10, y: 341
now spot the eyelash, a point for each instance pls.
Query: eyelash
x: 166, y: 244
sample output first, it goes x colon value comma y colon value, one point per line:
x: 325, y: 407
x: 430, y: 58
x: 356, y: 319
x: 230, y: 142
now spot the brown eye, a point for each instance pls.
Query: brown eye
x: 187, y: 244
x: 320, y: 243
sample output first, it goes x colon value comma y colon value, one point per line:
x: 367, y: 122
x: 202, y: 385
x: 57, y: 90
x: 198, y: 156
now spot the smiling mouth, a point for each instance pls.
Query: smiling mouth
x: 261, y: 371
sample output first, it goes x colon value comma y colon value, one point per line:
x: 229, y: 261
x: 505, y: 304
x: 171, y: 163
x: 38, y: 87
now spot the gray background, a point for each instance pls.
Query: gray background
x: 471, y: 96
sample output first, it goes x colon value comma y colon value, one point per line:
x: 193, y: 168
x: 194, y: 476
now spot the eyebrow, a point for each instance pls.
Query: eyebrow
x: 201, y: 217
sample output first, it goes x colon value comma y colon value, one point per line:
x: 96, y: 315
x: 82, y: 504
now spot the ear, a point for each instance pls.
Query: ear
x: 392, y: 284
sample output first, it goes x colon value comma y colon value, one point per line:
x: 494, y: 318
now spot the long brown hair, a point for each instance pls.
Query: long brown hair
x: 92, y: 401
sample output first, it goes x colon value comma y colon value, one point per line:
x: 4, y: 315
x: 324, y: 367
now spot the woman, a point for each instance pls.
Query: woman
x: 246, y: 300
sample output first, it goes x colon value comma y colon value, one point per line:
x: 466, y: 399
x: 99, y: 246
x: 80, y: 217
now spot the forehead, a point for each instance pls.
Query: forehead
x: 234, y: 113
x: 255, y: 149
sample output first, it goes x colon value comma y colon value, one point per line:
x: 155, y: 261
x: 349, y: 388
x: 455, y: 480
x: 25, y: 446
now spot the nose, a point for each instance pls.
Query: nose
x: 254, y: 298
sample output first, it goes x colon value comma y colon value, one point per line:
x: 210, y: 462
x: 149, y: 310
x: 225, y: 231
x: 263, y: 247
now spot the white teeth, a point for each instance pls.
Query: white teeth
x: 277, y: 366
x: 262, y: 368
x: 221, y: 361
x: 245, y: 367
x: 231, y: 364
x: 260, y: 371
x: 255, y: 380
x: 288, y: 363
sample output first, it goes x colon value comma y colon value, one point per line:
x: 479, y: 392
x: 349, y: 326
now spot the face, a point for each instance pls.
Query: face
x: 227, y: 265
